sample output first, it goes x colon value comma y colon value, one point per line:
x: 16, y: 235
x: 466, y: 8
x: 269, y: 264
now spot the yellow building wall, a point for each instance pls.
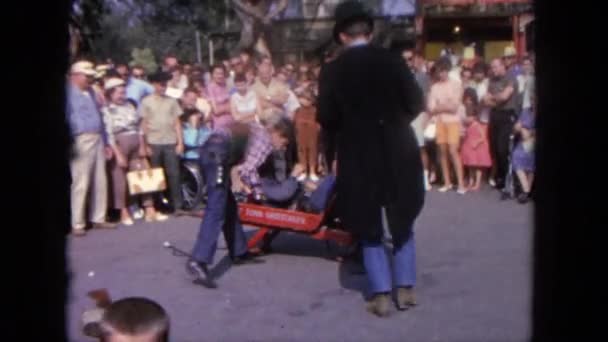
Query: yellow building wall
x: 495, y: 49
x: 432, y: 51
x: 492, y: 49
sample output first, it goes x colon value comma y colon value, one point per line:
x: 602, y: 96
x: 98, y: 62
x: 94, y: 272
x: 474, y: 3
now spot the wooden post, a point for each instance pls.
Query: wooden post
x: 197, y: 38
x: 515, y: 26
x: 211, y: 56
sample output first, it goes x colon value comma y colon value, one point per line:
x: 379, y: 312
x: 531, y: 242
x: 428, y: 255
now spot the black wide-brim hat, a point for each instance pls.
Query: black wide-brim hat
x: 347, y: 13
x: 159, y: 77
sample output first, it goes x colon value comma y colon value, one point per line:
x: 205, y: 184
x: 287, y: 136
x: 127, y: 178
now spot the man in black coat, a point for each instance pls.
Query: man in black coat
x: 367, y: 100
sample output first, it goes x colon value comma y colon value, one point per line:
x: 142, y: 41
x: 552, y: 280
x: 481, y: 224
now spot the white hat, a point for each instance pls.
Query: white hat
x: 101, y: 70
x: 113, y: 82
x: 83, y: 67
x: 468, y: 53
x: 510, y: 51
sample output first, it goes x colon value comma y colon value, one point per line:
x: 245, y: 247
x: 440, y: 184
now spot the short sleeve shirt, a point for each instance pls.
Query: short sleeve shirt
x: 497, y: 85
x: 160, y: 113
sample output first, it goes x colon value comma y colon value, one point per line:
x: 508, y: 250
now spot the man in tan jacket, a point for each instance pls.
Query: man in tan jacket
x: 272, y: 94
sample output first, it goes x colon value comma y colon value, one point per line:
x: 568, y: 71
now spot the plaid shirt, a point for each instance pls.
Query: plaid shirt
x: 257, y: 151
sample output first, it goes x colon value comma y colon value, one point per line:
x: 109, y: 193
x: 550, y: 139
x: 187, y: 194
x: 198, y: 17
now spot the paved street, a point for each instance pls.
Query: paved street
x: 474, y: 277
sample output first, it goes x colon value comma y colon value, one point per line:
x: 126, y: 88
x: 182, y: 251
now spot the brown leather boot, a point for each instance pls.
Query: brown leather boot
x: 405, y: 298
x: 379, y: 305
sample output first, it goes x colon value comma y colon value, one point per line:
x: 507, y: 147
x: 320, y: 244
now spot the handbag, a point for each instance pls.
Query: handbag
x: 431, y: 130
x: 146, y: 180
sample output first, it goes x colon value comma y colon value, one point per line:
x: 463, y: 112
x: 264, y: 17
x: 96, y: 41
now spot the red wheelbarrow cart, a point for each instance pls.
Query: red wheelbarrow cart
x: 269, y: 220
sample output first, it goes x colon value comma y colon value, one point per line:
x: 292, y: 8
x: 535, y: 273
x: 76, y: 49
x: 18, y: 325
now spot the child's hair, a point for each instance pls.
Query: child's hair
x: 188, y: 113
x: 308, y: 95
x: 240, y: 77
x: 471, y: 94
x: 443, y: 64
x: 135, y: 316
x: 480, y: 68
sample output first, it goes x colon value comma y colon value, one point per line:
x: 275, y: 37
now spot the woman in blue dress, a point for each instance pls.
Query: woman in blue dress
x: 523, y: 155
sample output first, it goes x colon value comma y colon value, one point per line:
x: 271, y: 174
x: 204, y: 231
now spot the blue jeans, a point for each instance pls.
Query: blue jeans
x: 221, y: 212
x: 377, y: 265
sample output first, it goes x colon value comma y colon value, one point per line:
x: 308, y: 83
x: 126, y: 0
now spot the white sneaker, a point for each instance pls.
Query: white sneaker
x: 127, y: 222
x: 301, y: 177
x: 492, y: 182
x: 138, y: 214
x: 445, y: 188
x: 161, y: 217
x: 461, y: 191
x: 314, y: 177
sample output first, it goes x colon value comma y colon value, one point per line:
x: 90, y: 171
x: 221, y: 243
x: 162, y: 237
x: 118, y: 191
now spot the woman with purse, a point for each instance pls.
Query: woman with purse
x: 122, y: 124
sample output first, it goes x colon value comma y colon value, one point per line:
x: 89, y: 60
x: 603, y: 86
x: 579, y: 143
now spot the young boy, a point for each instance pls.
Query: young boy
x: 163, y: 135
x: 135, y: 320
x: 307, y: 135
x: 195, y: 133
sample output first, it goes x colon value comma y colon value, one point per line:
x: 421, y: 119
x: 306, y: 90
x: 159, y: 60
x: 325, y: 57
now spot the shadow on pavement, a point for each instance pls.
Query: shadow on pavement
x: 352, y: 275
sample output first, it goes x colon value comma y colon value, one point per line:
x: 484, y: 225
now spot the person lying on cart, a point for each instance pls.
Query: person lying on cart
x: 288, y: 193
x: 245, y: 145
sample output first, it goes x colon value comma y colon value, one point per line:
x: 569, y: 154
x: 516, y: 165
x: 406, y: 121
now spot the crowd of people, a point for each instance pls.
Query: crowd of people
x: 479, y: 121
x: 122, y: 119
x: 279, y: 136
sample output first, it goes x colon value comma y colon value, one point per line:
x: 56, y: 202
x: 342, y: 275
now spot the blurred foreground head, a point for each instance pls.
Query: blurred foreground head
x: 135, y: 319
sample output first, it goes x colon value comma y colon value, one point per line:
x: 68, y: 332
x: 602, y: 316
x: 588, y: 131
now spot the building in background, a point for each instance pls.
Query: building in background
x: 487, y: 25
x: 305, y: 28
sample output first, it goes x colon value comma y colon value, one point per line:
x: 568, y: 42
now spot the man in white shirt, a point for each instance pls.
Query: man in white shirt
x: 480, y: 84
x: 528, y: 83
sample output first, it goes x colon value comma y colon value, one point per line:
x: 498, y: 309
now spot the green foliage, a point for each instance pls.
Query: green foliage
x: 164, y: 26
x: 144, y: 58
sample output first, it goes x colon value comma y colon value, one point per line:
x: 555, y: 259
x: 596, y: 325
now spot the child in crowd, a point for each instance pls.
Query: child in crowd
x: 475, y: 152
x: 195, y: 133
x: 307, y: 135
x: 523, y: 154
x: 244, y: 103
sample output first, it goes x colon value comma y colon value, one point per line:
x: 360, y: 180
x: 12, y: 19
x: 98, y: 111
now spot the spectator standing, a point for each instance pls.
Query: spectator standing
x: 219, y: 97
x: 475, y: 152
x: 169, y: 63
x: 528, y: 83
x: 244, y: 103
x: 445, y: 102
x: 88, y: 164
x: 137, y: 87
x: 192, y: 100
x: 162, y: 129
x: 251, y: 76
x: 510, y: 61
x: 272, y: 94
x: 195, y: 132
x: 289, y: 70
x: 502, y: 101
x: 523, y: 154
x: 138, y: 72
x: 236, y: 67
x: 123, y: 71
x: 123, y: 128
x: 415, y: 63
x: 307, y: 136
x: 466, y: 77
